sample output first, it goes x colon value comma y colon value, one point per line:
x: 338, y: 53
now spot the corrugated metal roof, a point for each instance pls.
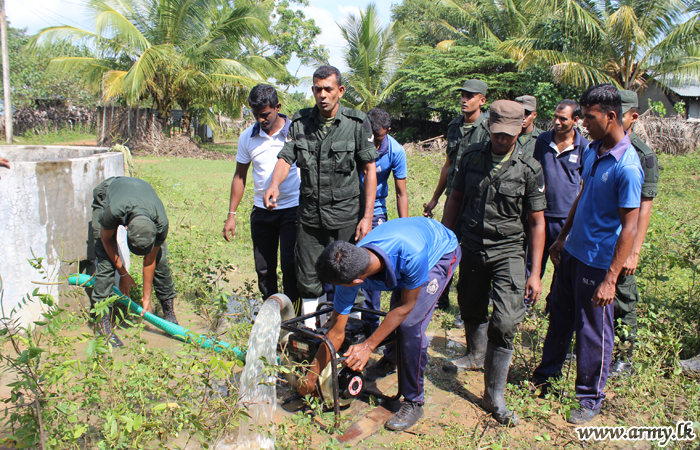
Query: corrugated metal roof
x: 686, y: 91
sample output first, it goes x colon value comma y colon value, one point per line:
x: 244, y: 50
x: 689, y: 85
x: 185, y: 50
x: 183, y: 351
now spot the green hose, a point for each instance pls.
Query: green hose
x: 172, y: 329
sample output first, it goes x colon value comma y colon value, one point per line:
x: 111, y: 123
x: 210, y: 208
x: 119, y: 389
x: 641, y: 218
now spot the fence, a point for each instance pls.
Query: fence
x: 48, y: 118
x: 135, y: 127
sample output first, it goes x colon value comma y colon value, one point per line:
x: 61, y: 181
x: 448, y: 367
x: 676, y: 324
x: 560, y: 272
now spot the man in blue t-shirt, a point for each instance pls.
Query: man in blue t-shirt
x: 392, y: 159
x: 413, y: 258
x: 600, y: 228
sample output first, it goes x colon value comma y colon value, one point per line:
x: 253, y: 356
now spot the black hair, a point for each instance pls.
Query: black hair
x: 341, y: 262
x: 606, y: 97
x: 379, y: 119
x: 633, y: 110
x: 573, y: 104
x: 324, y: 72
x: 263, y: 95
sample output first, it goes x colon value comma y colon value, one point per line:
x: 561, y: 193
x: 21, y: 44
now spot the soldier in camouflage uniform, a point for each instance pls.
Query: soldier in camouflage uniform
x: 626, y: 293
x: 469, y: 128
x: 331, y: 145
x: 497, y: 183
x: 133, y: 204
x: 529, y: 132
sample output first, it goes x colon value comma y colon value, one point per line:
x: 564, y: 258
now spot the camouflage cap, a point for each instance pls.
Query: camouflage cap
x: 629, y: 100
x: 506, y: 116
x: 141, y: 235
x: 528, y: 101
x: 475, y: 86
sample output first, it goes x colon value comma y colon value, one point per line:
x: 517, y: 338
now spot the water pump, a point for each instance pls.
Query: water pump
x: 302, y: 348
x: 338, y: 386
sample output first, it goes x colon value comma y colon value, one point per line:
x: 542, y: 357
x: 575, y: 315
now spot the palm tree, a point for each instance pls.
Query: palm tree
x: 190, y: 53
x: 479, y: 20
x: 626, y: 42
x: 374, y: 53
x: 585, y: 42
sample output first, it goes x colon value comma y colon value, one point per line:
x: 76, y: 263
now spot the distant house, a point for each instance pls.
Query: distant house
x: 689, y: 93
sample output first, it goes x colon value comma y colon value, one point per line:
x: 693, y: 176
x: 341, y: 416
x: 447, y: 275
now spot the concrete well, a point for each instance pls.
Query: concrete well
x: 45, y: 212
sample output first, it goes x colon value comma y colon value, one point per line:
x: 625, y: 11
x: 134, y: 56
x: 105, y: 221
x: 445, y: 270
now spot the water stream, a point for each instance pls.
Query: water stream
x: 257, y: 391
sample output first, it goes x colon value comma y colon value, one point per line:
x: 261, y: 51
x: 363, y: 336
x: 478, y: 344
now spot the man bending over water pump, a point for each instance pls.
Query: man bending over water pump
x: 411, y: 257
x: 134, y: 204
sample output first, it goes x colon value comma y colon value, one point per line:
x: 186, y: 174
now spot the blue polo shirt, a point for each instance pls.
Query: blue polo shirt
x: 392, y: 158
x: 562, y: 172
x: 409, y: 248
x: 610, y: 182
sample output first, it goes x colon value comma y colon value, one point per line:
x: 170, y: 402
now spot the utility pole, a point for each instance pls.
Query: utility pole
x: 6, y: 74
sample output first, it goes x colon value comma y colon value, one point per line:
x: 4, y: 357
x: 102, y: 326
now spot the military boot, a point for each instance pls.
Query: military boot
x: 169, y: 310
x: 104, y: 327
x: 476, y: 349
x: 691, y: 366
x: 496, y: 366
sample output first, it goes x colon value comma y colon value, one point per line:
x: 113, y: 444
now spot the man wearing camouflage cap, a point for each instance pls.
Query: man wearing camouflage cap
x: 496, y: 185
x: 529, y: 132
x: 469, y: 128
x: 626, y: 292
x: 133, y: 204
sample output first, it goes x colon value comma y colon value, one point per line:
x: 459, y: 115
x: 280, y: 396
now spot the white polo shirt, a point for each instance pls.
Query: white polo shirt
x: 256, y: 147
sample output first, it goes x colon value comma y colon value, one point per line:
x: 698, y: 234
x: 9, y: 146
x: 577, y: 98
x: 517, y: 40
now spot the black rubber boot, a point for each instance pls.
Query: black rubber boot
x: 169, y: 310
x: 622, y: 366
x: 104, y: 327
x: 691, y: 366
x: 476, y: 349
x: 496, y: 367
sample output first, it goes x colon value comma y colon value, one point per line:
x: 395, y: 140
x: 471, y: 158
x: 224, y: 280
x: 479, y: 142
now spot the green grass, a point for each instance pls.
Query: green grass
x: 230, y: 148
x: 52, y: 138
x: 196, y: 194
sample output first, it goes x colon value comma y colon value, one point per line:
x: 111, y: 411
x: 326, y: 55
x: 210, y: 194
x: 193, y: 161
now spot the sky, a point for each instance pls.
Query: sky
x: 37, y: 14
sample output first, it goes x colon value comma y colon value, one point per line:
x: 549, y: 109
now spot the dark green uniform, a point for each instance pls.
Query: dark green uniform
x: 115, y: 202
x: 493, y: 235
x: 460, y: 136
x: 626, y: 293
x: 526, y: 141
x: 330, y: 162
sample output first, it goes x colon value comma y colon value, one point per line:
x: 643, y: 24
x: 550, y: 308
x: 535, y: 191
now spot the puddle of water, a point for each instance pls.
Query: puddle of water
x: 438, y: 342
x: 258, y: 390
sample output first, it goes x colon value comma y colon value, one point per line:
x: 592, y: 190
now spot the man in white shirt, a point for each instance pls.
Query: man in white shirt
x: 259, y: 145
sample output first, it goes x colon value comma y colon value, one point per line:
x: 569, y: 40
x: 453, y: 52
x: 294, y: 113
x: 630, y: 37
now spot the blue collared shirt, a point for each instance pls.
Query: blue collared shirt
x: 610, y: 181
x: 562, y: 172
x: 392, y: 159
x: 409, y: 248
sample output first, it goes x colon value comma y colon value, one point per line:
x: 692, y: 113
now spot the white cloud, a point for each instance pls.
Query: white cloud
x: 346, y: 11
x: 330, y: 36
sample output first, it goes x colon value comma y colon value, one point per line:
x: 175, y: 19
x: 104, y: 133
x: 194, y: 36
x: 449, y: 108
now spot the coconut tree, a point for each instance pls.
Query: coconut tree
x: 479, y: 20
x: 624, y: 42
x: 374, y: 53
x: 168, y: 52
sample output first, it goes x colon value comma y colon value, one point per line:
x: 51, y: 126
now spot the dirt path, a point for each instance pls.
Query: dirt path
x: 452, y: 415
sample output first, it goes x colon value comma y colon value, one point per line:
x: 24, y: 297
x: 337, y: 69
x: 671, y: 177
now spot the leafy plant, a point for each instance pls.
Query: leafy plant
x: 657, y: 108
x: 679, y: 108
x: 74, y: 391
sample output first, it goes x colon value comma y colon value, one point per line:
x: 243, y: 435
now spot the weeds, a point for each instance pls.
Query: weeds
x: 75, y: 391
